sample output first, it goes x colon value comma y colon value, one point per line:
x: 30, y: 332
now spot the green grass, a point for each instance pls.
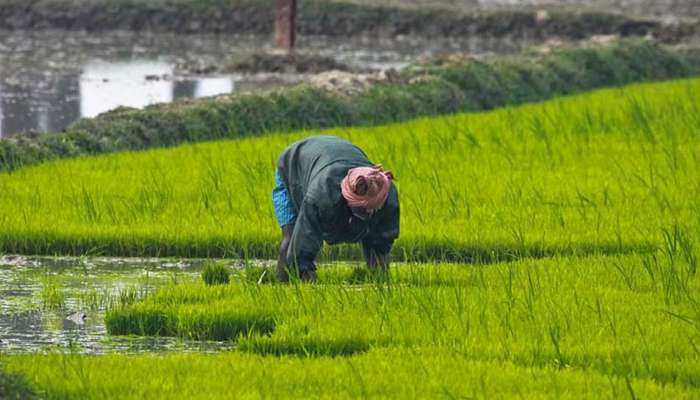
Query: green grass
x: 52, y: 292
x: 215, y: 274
x: 386, y: 373
x: 574, y: 327
x: 606, y: 172
x: 586, y: 208
x: 14, y: 387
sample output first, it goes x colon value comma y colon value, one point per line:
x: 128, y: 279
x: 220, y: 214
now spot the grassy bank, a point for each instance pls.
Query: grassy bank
x: 431, y: 89
x: 609, y: 172
x: 590, y: 327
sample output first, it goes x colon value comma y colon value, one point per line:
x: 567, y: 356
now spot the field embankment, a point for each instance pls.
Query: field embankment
x: 433, y: 88
x: 610, y: 172
x: 324, y: 18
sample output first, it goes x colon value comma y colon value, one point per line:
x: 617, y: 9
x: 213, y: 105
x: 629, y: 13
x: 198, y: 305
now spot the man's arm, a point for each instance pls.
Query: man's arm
x: 385, y: 230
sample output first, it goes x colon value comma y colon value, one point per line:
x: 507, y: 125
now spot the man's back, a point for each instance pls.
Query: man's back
x: 321, y: 159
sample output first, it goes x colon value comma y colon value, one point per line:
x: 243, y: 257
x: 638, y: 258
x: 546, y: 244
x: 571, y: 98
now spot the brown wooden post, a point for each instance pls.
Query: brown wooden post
x: 285, y: 24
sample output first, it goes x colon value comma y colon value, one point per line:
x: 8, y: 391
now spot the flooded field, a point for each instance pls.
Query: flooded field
x: 49, y: 79
x: 59, y: 303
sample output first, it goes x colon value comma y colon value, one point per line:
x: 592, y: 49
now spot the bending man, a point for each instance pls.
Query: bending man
x: 328, y: 190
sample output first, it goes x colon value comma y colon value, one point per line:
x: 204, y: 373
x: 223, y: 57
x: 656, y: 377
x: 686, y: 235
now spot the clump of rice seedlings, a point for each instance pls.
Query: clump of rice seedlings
x: 52, y: 293
x: 368, y: 275
x: 92, y: 299
x: 14, y: 386
x: 256, y: 274
x: 305, y: 346
x: 144, y: 320
x: 200, y: 312
x: 214, y: 273
x: 222, y: 322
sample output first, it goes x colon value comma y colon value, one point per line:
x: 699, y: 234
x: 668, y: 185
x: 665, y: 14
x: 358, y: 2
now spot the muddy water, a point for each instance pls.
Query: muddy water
x: 49, y: 79
x: 59, y: 304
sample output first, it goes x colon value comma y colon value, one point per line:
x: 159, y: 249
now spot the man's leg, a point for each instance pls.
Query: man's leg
x: 286, y: 216
x: 282, y: 267
x: 282, y: 270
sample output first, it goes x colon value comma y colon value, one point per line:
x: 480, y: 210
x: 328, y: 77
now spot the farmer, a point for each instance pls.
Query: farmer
x: 327, y: 190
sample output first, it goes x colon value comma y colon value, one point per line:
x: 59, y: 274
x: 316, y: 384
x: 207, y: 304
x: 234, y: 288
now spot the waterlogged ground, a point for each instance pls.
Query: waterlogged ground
x: 49, y: 79
x: 59, y: 303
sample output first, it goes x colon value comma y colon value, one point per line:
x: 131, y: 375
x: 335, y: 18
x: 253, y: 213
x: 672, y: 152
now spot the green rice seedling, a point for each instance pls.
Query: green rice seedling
x: 193, y: 312
x: 307, y: 347
x: 554, y: 316
x: 366, y: 275
x: 52, y: 292
x: 14, y: 387
x: 387, y: 373
x: 222, y: 322
x: 553, y: 178
x: 214, y: 273
x: 93, y: 299
x: 140, y: 320
x: 256, y: 274
x: 562, y: 312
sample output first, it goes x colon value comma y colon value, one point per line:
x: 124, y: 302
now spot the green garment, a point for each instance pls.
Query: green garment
x: 312, y: 170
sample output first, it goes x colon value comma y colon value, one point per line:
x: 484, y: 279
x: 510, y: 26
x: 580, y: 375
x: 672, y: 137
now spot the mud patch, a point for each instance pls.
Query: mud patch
x: 292, y: 63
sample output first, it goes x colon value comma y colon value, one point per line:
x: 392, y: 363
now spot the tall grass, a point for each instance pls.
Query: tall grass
x: 605, y: 172
x: 566, y: 311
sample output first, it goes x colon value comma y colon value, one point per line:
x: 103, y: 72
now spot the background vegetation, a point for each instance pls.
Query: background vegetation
x: 440, y: 87
x: 606, y: 172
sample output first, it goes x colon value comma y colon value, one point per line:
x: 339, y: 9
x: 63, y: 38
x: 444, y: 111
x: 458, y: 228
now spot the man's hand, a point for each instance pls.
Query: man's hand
x: 377, y: 262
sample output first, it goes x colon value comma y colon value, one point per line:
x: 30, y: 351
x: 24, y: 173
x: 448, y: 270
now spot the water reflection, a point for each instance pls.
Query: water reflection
x: 105, y: 85
x: 49, y: 105
x: 108, y: 85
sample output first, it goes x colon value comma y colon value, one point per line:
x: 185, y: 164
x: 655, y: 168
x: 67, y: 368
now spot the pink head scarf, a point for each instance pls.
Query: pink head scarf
x: 366, y: 187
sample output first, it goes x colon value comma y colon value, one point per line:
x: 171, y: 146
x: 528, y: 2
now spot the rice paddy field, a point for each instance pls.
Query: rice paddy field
x: 547, y: 251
